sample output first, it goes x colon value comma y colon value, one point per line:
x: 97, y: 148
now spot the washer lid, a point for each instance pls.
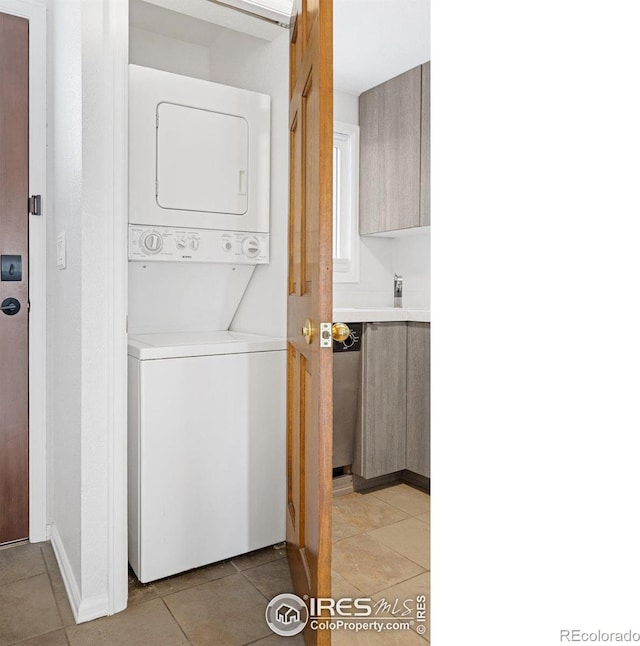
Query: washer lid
x: 172, y: 345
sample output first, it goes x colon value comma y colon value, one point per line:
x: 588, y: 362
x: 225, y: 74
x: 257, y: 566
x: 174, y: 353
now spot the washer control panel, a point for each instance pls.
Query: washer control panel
x: 198, y: 245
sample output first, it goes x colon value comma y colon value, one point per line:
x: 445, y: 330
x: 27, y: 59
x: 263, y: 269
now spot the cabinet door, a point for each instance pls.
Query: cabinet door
x: 425, y: 143
x: 390, y: 154
x: 418, y: 397
x: 384, y: 393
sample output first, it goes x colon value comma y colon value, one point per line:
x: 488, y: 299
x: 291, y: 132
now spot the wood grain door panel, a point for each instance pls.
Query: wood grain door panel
x: 14, y: 240
x: 310, y: 284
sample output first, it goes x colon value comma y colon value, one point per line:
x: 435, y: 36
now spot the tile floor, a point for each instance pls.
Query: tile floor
x: 381, y: 550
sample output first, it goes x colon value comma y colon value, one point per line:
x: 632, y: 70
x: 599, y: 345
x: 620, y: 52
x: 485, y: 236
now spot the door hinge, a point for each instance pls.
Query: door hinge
x: 325, y: 335
x: 35, y: 205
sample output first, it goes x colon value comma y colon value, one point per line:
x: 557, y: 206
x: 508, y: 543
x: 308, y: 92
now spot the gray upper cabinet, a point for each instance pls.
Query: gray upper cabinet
x: 425, y: 142
x: 390, y: 117
x: 394, y: 153
x: 418, y: 397
x: 381, y: 447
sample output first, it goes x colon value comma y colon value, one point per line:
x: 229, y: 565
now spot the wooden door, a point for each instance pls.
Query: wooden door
x: 14, y: 331
x: 310, y: 374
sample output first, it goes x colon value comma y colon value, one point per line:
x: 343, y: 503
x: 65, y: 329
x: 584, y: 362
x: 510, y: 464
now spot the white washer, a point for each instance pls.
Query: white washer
x: 207, y: 434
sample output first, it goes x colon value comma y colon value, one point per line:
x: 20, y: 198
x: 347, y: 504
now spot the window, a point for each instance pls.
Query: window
x: 346, y: 147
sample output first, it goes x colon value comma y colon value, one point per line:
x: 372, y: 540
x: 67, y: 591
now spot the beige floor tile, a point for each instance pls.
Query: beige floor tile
x: 409, y: 537
x: 21, y: 562
x: 409, y: 588
x: 342, y: 528
x: 370, y: 565
x: 424, y: 518
x: 62, y: 600
x: 259, y: 557
x: 49, y: 556
x: 225, y: 612
x: 139, y: 592
x: 276, y: 640
x: 407, y: 591
x: 145, y: 624
x: 272, y: 578
x: 27, y: 609
x: 341, y: 588
x: 193, y: 577
x: 404, y: 637
x: 56, y: 638
x: 409, y: 499
x: 364, y: 511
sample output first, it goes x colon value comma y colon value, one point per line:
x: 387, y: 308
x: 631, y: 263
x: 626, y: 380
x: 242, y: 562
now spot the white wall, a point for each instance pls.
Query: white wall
x: 82, y: 403
x: 263, y: 66
x: 411, y: 258
x: 65, y: 287
x: 345, y: 107
x: 168, y: 54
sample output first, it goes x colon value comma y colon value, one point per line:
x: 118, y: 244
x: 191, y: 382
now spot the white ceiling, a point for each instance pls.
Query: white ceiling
x: 375, y: 40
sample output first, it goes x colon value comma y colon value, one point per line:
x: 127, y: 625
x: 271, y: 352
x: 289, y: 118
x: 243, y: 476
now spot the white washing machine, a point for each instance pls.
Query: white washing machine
x: 207, y: 434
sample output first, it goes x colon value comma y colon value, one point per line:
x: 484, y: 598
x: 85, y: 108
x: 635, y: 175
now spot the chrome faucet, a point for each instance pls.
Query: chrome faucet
x: 397, y: 290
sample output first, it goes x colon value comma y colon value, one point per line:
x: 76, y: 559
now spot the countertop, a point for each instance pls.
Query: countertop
x: 380, y: 314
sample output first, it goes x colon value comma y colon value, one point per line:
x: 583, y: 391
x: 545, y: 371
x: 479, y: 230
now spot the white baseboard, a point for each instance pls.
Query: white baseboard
x: 83, y: 609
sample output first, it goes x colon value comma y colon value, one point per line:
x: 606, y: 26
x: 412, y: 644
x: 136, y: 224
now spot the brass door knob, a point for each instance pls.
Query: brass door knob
x: 340, y: 332
x: 307, y: 331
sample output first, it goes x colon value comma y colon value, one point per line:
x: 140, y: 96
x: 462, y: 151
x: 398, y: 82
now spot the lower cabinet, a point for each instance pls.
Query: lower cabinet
x: 418, y: 397
x: 393, y: 433
x: 384, y: 394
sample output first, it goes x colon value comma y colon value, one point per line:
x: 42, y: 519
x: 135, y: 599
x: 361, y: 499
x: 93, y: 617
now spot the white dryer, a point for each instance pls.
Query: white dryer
x: 207, y: 433
x: 199, y: 153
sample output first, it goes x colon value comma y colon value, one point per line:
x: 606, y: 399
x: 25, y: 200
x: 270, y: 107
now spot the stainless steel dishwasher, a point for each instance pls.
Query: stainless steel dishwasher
x: 346, y: 392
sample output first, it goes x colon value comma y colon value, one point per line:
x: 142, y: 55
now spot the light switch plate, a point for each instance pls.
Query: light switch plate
x: 61, y: 251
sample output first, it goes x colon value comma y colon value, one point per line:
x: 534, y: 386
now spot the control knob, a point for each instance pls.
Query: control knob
x: 194, y: 243
x: 181, y: 243
x: 251, y: 247
x: 151, y: 242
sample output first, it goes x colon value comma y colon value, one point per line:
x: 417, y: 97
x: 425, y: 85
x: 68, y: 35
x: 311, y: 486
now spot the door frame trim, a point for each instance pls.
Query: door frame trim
x: 35, y: 12
x: 116, y: 92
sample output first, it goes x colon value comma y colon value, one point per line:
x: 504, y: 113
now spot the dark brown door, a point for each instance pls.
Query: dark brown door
x: 14, y: 287
x: 310, y: 376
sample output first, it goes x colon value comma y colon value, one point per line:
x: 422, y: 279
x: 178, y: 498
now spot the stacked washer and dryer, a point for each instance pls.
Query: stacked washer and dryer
x: 207, y: 427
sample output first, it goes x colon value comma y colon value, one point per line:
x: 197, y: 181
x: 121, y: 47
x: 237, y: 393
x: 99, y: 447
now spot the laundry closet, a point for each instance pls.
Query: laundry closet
x: 207, y: 250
